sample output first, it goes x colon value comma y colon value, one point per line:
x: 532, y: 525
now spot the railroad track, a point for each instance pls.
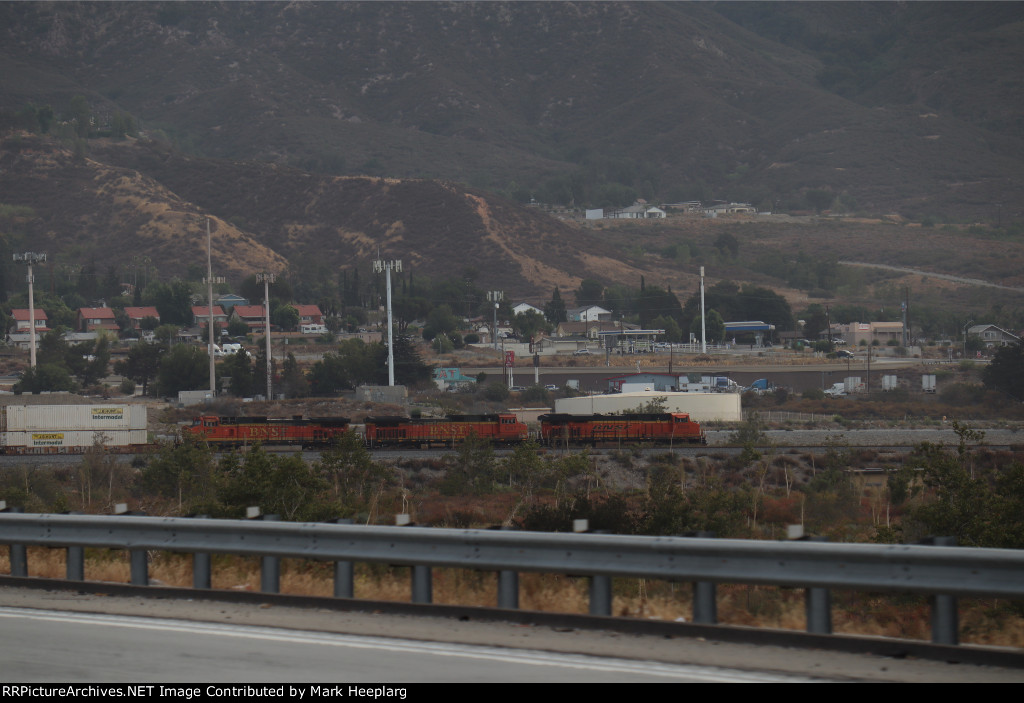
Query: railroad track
x: 683, y: 450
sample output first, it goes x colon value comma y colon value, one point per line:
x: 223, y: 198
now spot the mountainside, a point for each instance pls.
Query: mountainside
x: 131, y: 200
x: 914, y: 107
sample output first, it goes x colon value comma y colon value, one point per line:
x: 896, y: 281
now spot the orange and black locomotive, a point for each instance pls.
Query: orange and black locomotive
x: 242, y: 431
x: 660, y: 428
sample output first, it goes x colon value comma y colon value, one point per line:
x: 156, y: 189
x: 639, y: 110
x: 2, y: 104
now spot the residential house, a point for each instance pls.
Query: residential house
x: 588, y: 313
x: 230, y: 300
x: 521, y: 308
x: 21, y: 319
x: 639, y: 211
x: 201, y: 314
x: 591, y: 330
x: 92, y: 319
x: 252, y: 315
x: 309, y: 315
x: 137, y: 315
x: 993, y: 336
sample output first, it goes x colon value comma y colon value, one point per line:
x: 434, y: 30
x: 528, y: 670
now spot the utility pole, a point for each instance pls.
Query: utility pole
x: 387, y: 267
x: 29, y: 258
x: 266, y: 279
x: 906, y: 306
x: 495, y: 296
x: 703, y: 321
x: 828, y: 324
x: 210, y: 280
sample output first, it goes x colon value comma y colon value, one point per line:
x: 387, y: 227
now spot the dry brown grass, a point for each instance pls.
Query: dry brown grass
x: 987, y: 622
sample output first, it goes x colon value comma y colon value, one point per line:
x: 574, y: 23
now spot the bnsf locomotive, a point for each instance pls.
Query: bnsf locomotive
x: 663, y: 428
x: 240, y: 431
x: 503, y: 428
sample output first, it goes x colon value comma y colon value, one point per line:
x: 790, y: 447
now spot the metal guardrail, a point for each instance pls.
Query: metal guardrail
x: 942, y: 572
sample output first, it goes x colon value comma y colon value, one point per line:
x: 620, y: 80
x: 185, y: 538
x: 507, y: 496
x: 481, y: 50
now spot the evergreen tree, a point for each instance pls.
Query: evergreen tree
x: 238, y: 367
x: 554, y: 310
x: 142, y: 364
x: 293, y: 382
x: 1006, y: 371
x: 409, y: 367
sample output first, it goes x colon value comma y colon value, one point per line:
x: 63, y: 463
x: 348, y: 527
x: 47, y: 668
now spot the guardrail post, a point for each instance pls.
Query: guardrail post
x: 600, y: 595
x: 705, y: 602
x: 508, y: 585
x: 818, y: 605
x: 201, y: 571
x: 344, y: 586
x: 138, y: 558
x: 422, y: 586
x: 600, y: 591
x: 75, y: 560
x: 270, y: 567
x: 945, y: 620
x: 420, y: 574
x: 19, y: 558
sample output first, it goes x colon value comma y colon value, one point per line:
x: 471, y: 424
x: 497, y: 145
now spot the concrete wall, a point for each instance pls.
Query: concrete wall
x: 396, y: 395
x: 700, y: 406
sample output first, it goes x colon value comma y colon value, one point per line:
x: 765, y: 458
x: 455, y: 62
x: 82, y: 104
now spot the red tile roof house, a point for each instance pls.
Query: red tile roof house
x: 252, y: 315
x: 137, y: 315
x: 20, y: 316
x: 92, y: 319
x: 309, y: 315
x: 201, y: 313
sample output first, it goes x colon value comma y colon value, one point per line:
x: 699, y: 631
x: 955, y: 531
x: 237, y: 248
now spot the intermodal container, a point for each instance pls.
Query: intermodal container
x: 65, y: 439
x: 87, y: 418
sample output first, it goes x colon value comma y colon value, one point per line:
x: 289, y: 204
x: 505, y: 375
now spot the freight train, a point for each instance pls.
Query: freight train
x: 121, y: 427
x: 232, y: 432
x: 594, y: 430
x: 500, y: 429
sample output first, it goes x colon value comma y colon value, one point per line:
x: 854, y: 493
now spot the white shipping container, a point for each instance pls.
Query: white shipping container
x: 74, y: 438
x: 853, y: 384
x: 700, y: 406
x: 101, y: 416
x: 928, y: 383
x: 889, y: 382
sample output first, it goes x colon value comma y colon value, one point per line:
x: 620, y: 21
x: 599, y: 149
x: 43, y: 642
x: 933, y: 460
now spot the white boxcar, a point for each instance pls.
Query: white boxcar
x: 86, y: 418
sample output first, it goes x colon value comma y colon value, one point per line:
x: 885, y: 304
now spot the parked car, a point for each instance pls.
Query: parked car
x: 551, y: 387
x: 844, y: 354
x: 581, y: 352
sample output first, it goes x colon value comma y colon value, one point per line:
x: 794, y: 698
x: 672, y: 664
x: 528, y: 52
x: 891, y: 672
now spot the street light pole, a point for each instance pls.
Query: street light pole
x: 387, y: 266
x: 30, y: 258
x: 210, y: 280
x: 495, y: 296
x: 703, y: 321
x: 266, y: 279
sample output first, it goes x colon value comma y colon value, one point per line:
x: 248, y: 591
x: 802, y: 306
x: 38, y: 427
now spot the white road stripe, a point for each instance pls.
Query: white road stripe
x: 498, y: 654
